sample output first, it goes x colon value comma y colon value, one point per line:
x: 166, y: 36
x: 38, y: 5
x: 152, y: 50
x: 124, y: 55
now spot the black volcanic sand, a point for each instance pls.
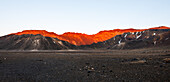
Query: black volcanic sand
x: 86, y: 66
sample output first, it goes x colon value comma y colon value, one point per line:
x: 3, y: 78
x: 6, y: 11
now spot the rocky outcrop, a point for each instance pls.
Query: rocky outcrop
x: 134, y: 40
x: 33, y: 42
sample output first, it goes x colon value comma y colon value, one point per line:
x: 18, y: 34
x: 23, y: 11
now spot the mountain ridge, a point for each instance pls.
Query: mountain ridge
x: 84, y: 39
x: 127, y: 40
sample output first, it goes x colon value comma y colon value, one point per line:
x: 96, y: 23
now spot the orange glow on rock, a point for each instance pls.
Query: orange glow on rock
x: 84, y: 39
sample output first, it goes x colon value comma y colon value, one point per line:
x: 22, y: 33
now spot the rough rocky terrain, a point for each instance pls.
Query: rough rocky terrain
x: 135, y: 40
x: 129, y: 40
x: 32, y: 42
x: 148, y: 65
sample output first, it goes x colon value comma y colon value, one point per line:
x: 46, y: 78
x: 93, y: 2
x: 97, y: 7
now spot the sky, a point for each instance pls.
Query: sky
x: 82, y: 16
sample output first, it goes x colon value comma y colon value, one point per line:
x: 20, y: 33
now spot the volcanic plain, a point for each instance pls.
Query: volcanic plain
x: 147, y: 64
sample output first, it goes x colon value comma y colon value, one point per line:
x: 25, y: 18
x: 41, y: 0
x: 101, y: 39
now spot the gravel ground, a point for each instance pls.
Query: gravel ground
x: 151, y: 65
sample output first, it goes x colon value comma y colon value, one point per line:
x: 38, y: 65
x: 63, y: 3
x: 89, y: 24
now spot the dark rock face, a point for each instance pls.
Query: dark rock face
x: 143, y: 39
x: 33, y: 42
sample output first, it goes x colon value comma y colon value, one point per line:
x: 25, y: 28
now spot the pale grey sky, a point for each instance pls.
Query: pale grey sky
x: 83, y: 16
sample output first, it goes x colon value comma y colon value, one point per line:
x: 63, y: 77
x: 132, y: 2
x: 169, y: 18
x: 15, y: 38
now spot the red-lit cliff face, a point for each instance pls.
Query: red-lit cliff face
x: 161, y: 27
x: 84, y: 39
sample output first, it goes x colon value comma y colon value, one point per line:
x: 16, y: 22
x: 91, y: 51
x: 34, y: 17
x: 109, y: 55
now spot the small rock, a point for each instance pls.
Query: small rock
x: 103, y: 66
x: 139, y: 61
x: 166, y: 60
x: 92, y: 68
x: 39, y: 60
x: 4, y: 58
x: 161, y: 66
x: 87, y: 63
x: 45, y: 62
x: 80, y: 69
x: 134, y: 59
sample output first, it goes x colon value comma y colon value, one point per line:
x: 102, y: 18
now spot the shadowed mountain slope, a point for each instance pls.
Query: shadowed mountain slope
x: 32, y: 42
x: 117, y: 39
x: 84, y: 39
x: 134, y: 40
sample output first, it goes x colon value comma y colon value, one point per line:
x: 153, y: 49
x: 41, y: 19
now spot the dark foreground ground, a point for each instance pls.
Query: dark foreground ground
x: 151, y: 64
